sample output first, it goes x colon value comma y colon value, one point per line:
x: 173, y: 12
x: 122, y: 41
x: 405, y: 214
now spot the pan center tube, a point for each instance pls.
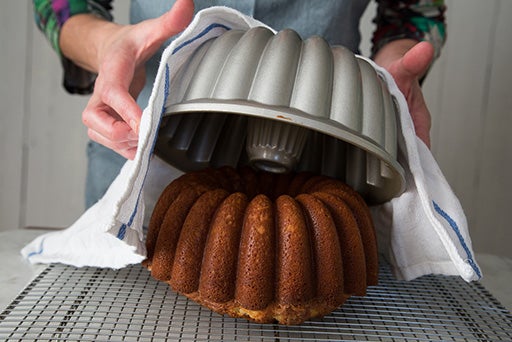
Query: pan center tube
x: 274, y: 146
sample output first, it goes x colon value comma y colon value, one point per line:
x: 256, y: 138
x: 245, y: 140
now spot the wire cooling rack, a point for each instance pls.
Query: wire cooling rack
x: 89, y: 304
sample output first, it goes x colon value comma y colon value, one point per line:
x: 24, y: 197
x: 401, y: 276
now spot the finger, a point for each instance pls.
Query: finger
x: 117, y: 145
x: 105, y: 122
x: 422, y: 123
x: 115, y: 96
x: 424, y: 136
x: 126, y: 149
x: 423, y: 133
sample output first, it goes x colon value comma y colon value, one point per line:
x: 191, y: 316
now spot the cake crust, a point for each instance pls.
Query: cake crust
x: 255, y: 277
x: 265, y: 247
x: 218, y: 270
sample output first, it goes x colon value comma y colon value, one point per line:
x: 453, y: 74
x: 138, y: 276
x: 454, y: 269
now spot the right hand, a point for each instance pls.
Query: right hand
x: 112, y: 114
x: 408, y: 61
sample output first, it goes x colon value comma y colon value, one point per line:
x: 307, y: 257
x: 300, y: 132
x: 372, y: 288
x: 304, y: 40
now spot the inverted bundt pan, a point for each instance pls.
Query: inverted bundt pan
x: 281, y: 103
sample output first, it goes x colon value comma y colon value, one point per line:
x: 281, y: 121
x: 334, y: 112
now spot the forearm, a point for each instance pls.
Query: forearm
x: 50, y: 16
x: 82, y: 37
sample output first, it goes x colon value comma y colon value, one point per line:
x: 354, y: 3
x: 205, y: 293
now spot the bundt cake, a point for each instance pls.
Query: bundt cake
x: 271, y: 248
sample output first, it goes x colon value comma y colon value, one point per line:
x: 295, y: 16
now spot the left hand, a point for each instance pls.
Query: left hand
x: 408, y: 61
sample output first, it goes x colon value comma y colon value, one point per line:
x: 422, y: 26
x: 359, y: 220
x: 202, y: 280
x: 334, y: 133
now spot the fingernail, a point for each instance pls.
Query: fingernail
x: 132, y: 144
x: 133, y: 136
x: 134, y: 125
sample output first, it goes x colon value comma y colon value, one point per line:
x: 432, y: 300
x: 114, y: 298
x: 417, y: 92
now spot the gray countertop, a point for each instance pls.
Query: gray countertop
x: 16, y: 273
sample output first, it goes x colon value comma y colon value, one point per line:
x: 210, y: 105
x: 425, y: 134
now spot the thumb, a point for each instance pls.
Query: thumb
x: 157, y: 31
x: 417, y: 60
x: 177, y: 18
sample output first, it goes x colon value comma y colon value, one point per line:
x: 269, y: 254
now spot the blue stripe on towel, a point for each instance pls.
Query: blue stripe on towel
x: 166, y: 94
x: 40, y: 251
x: 202, y: 33
x: 122, y: 229
x: 456, y: 229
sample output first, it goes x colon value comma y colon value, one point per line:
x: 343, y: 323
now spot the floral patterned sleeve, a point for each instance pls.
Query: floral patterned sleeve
x: 50, y: 15
x: 422, y: 20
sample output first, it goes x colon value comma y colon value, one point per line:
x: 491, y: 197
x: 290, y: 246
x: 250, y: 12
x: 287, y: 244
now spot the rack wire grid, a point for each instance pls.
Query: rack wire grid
x: 65, y: 303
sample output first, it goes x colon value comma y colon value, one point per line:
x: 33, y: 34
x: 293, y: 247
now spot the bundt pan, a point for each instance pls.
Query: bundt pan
x: 280, y: 103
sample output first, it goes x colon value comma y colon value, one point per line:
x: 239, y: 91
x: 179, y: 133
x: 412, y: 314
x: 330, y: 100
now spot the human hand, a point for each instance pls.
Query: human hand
x: 112, y: 114
x: 408, y: 61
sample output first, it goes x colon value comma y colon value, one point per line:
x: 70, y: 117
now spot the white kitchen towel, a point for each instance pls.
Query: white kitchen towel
x: 423, y: 231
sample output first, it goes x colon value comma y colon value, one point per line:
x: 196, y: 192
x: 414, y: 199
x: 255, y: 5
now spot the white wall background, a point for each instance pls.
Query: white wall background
x: 42, y: 140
